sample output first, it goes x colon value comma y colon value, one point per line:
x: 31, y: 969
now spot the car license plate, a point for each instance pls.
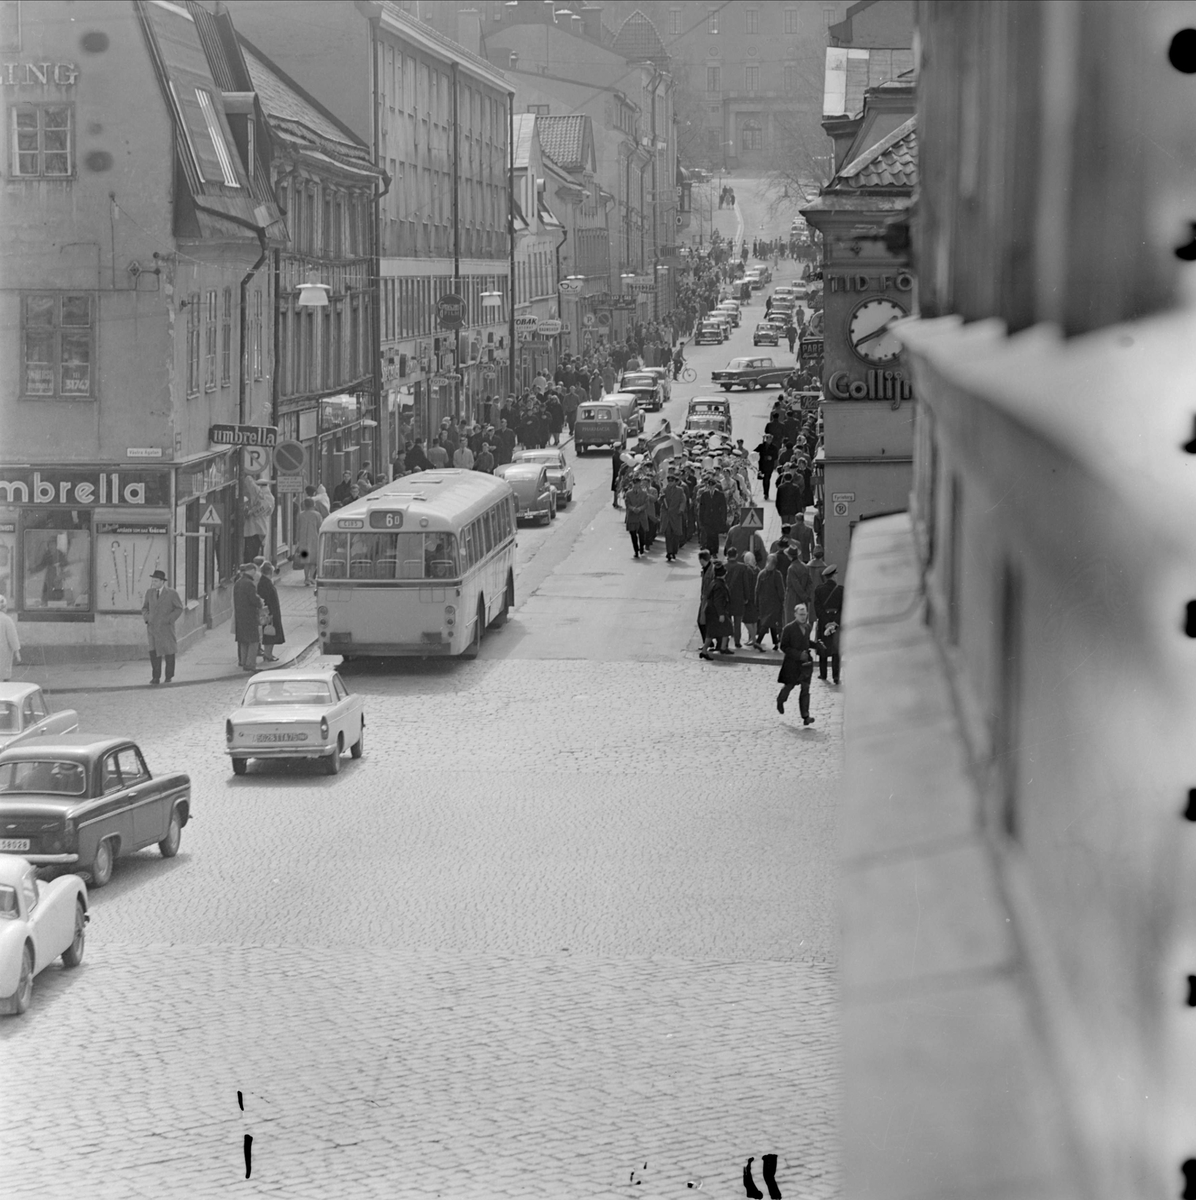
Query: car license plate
x: 281, y: 737
x: 14, y: 843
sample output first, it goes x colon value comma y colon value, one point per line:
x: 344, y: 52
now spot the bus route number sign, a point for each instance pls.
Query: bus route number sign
x: 386, y: 520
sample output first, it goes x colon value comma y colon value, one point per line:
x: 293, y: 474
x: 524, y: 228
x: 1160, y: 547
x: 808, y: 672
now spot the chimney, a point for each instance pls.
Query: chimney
x: 591, y: 20
x: 469, y: 30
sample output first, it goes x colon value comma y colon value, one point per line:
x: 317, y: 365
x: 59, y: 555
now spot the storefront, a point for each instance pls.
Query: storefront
x: 77, y: 548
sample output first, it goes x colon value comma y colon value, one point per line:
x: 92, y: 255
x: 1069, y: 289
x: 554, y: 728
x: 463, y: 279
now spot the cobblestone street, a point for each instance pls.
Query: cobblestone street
x: 567, y: 929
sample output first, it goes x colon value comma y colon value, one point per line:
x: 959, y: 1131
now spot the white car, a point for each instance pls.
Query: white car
x: 39, y: 922
x: 296, y: 713
x: 560, y: 473
x: 732, y: 311
x: 26, y: 713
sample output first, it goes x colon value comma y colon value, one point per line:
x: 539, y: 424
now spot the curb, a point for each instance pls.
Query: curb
x: 302, y: 656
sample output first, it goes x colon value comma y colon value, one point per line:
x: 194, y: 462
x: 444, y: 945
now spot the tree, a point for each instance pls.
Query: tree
x: 804, y: 155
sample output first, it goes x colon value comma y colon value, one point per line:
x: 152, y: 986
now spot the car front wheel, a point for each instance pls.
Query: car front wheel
x: 72, y: 956
x: 101, y: 865
x: 18, y: 1002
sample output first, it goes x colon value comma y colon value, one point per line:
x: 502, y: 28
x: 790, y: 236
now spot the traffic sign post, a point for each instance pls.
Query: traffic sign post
x: 289, y: 457
x: 753, y: 518
x: 290, y: 483
x: 211, y: 518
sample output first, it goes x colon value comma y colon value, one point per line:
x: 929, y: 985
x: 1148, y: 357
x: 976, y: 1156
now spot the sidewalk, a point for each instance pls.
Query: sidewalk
x: 214, y: 656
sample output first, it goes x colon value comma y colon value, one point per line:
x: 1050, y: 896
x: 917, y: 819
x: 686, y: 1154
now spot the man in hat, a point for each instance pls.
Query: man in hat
x: 247, y: 617
x: 828, y: 605
x: 160, y: 609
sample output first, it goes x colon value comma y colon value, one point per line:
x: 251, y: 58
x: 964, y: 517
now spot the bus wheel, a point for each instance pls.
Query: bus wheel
x: 471, y: 651
x: 508, y: 602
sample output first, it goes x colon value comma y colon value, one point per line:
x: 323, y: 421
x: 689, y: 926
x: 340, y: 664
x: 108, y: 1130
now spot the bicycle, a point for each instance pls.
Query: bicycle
x: 688, y: 375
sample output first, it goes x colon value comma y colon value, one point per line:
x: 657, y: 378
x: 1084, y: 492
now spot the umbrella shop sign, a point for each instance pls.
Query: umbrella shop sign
x: 85, y: 487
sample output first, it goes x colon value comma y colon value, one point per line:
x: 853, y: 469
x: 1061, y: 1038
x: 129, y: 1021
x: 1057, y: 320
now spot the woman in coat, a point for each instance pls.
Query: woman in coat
x: 718, y: 614
x: 636, y: 500
x: 269, y: 597
x: 307, y: 540
x: 770, y: 603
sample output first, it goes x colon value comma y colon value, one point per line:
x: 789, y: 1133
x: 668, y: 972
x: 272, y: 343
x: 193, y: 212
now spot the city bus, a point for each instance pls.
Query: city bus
x: 420, y: 566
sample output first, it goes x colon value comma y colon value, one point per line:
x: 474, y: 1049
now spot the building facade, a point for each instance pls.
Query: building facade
x: 137, y: 297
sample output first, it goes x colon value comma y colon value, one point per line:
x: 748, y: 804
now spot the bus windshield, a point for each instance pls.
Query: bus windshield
x: 388, y: 556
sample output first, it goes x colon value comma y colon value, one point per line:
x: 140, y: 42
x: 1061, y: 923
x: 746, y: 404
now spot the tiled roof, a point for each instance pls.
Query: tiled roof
x: 563, y: 139
x: 891, y: 163
x: 637, y: 39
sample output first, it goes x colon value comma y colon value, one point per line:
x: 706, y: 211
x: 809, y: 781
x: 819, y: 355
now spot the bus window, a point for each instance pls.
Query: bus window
x: 488, y: 522
x: 334, y: 555
x: 372, y: 556
x: 440, y: 555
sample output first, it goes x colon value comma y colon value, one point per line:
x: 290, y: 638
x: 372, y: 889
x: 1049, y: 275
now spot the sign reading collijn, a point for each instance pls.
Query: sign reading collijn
x: 450, y: 311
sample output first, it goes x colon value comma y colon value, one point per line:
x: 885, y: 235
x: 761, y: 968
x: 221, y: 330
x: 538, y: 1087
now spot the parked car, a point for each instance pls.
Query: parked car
x: 646, y: 388
x: 731, y: 309
x: 766, y: 334
x: 709, y: 331
x: 763, y: 270
x: 39, y: 922
x: 295, y: 713
x: 755, y: 280
x: 535, y: 497
x: 708, y: 406
x: 750, y: 373
x: 665, y: 375
x: 598, y: 424
x: 25, y: 713
x: 85, y: 800
x: 560, y: 473
x: 723, y: 319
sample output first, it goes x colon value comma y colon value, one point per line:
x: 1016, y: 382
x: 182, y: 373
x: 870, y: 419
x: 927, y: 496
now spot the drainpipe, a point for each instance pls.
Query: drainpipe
x: 239, y: 519
x: 511, y: 390
x: 459, y: 385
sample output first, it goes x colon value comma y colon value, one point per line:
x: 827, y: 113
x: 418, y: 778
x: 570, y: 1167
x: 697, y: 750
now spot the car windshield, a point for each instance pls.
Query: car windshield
x: 596, y: 414
x: 10, y: 717
x: 288, y: 691
x: 41, y: 776
x: 551, y: 457
x: 709, y: 421
x: 8, y: 902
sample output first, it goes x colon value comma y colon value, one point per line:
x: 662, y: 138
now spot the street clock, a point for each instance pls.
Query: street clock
x: 869, y: 330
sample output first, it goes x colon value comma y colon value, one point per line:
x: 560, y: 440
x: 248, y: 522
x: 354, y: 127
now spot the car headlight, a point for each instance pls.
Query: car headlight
x: 324, y: 728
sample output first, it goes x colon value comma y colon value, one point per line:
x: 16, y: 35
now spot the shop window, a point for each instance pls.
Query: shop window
x: 127, y: 553
x: 226, y: 338
x: 209, y: 369
x: 58, y: 345
x: 56, y: 553
x: 42, y: 141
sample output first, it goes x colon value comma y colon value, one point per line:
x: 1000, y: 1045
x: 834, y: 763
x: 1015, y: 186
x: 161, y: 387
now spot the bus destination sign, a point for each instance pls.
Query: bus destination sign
x: 386, y: 519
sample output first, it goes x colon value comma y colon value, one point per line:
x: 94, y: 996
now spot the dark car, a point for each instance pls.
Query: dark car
x: 710, y: 331
x: 646, y: 388
x: 749, y: 373
x: 766, y: 334
x: 82, y: 801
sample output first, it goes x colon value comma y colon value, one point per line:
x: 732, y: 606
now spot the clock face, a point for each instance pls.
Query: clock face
x: 868, y: 330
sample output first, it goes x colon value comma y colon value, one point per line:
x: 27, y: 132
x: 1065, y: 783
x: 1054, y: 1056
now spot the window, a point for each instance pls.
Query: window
x: 216, y: 133
x: 132, y: 769
x: 58, y: 345
x: 752, y: 137
x: 828, y: 17
x: 42, y: 141
x: 791, y: 21
x: 226, y: 339
x: 712, y: 21
x: 714, y: 81
x: 791, y: 77
x: 193, y: 344
x: 56, y: 554
x: 209, y: 367
x: 109, y: 775
x: 752, y: 20
x: 10, y: 25
x: 326, y: 231
x: 255, y: 339
x: 541, y: 110
x: 674, y: 22
x: 751, y: 77
x: 326, y: 348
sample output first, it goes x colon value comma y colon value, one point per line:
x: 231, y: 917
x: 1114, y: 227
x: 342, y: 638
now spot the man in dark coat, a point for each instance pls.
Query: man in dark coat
x: 799, y: 588
x: 788, y: 499
x: 797, y: 668
x: 766, y: 453
x: 673, y: 502
x: 616, y: 470
x: 712, y: 516
x: 161, y: 609
x: 268, y: 594
x: 247, y: 608
x: 504, y: 443
x: 828, y: 604
x: 741, y: 583
x: 343, y: 492
x: 803, y: 535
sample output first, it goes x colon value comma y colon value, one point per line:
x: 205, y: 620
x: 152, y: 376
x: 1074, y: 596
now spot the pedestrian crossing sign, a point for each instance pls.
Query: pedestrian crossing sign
x: 211, y: 517
x: 753, y: 518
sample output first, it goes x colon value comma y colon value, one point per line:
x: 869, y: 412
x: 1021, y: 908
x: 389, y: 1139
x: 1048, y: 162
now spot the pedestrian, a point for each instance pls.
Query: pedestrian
x: 817, y: 565
x: 741, y: 584
x: 803, y: 535
x: 463, y: 457
x: 272, y: 632
x: 504, y: 443
x: 712, y: 515
x: 259, y: 504
x: 484, y: 461
x: 160, y: 609
x: 340, y: 493
x: 616, y: 470
x: 673, y: 503
x: 417, y: 456
x: 322, y: 500
x: 718, y: 614
x: 247, y: 624
x: 791, y: 334
x: 746, y: 539
x: 707, y: 578
x: 797, y: 667
x: 828, y: 605
x: 307, y: 541
x: 438, y: 453
x: 636, y: 521
x: 10, y: 643
x: 799, y: 589
x: 770, y: 603
x: 556, y: 417
x: 788, y: 498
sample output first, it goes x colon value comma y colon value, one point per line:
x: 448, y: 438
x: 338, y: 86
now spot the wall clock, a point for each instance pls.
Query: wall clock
x: 869, y: 333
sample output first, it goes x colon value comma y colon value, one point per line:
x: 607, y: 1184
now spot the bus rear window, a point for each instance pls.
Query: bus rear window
x: 388, y: 556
